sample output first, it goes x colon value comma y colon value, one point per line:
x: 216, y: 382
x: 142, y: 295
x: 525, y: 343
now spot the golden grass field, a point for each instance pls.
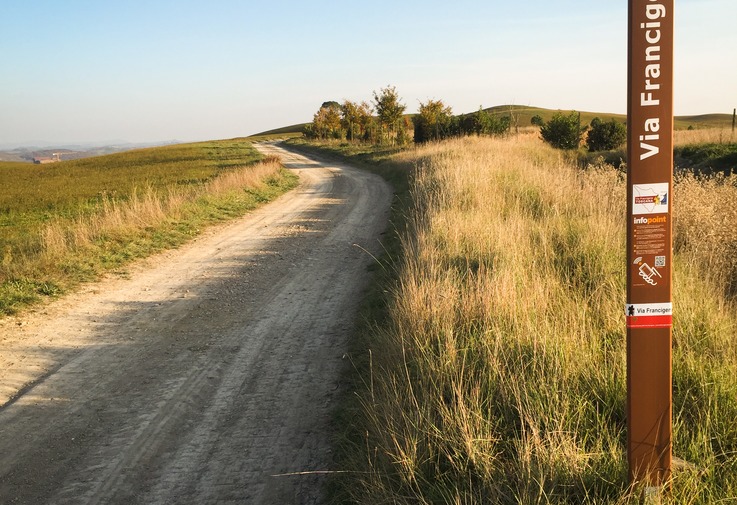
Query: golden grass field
x: 498, y: 375
x: 704, y: 136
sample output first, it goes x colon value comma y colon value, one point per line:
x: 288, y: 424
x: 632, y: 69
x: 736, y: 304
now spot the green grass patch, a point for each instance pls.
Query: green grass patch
x: 708, y: 158
x: 31, y: 195
x: 69, y: 222
x: 295, y: 130
x: 379, y: 159
x: 271, y: 137
x: 71, y: 185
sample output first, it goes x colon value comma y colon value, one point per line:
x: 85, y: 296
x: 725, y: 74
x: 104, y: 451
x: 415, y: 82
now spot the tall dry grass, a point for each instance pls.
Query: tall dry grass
x: 499, y: 376
x: 146, y: 209
x: 705, y: 222
x: 704, y: 136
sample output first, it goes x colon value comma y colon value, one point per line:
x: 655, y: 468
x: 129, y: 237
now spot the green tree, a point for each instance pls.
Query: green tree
x: 404, y: 132
x: 356, y: 119
x: 563, y: 131
x: 389, y: 111
x: 537, y: 120
x: 366, y: 120
x: 330, y: 103
x: 483, y: 122
x: 455, y: 128
x: 349, y: 119
x: 605, y: 136
x: 326, y: 122
x: 433, y: 121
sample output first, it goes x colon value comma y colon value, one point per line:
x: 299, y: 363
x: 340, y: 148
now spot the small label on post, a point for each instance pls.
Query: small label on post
x: 649, y: 315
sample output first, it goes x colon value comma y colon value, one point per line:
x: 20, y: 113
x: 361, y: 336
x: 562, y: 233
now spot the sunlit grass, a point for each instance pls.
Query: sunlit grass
x: 497, y: 374
x: 65, y: 223
x: 704, y: 136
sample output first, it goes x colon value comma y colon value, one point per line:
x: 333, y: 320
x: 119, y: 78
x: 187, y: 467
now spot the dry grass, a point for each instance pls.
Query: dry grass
x: 704, y: 136
x: 69, y: 249
x: 705, y: 227
x: 145, y: 209
x: 500, y: 374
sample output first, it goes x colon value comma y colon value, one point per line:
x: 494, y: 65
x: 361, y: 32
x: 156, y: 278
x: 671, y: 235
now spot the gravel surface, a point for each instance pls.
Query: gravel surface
x: 207, y: 374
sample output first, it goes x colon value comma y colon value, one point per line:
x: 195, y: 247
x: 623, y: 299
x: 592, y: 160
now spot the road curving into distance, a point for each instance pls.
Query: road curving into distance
x: 206, y: 374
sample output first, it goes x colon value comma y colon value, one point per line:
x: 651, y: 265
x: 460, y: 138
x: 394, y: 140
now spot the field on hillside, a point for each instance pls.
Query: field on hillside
x: 66, y: 222
x: 497, y: 374
x: 28, y: 188
x: 524, y: 115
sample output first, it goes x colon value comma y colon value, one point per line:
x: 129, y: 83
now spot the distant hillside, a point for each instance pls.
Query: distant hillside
x: 296, y: 128
x: 705, y: 121
x: 525, y: 114
x: 74, y: 152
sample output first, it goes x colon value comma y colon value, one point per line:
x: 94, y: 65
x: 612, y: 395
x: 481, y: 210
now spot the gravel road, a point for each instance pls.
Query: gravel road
x: 207, y: 374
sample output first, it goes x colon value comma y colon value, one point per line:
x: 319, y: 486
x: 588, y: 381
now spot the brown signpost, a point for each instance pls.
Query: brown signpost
x: 649, y: 240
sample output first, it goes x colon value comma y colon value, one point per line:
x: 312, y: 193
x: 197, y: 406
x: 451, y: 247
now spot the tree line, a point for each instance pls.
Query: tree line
x: 383, y: 121
x: 379, y: 122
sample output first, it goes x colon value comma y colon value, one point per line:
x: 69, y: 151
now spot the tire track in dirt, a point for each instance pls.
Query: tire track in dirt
x: 205, y: 375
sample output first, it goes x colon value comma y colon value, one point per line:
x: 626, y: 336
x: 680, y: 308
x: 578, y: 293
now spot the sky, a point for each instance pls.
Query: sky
x: 158, y: 70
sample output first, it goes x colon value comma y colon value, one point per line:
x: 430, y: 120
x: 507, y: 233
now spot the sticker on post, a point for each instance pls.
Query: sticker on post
x: 650, y: 198
x: 651, y: 275
x: 649, y: 315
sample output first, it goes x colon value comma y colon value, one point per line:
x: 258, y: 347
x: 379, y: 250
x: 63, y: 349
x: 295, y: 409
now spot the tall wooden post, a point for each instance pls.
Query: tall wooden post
x: 649, y: 240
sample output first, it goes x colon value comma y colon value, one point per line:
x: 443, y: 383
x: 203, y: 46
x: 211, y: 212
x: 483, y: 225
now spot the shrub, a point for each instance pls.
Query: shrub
x: 563, y: 131
x: 708, y: 158
x: 433, y: 121
x: 326, y: 122
x: 483, y: 122
x: 605, y: 136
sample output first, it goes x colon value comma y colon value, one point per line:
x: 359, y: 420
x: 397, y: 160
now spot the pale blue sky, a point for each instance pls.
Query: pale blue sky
x: 154, y: 70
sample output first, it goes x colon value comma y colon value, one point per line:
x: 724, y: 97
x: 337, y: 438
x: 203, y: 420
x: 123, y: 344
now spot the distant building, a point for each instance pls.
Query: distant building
x: 42, y: 160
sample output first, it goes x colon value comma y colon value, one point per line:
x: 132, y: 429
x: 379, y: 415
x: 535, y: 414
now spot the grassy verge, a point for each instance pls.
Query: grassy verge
x: 273, y: 137
x: 708, y: 158
x: 67, y: 223
x: 378, y: 159
x: 493, y: 368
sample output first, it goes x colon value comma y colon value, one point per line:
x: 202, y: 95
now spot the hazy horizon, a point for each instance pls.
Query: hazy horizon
x: 45, y: 144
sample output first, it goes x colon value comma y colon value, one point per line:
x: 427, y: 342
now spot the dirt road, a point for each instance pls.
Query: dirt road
x: 204, y: 375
